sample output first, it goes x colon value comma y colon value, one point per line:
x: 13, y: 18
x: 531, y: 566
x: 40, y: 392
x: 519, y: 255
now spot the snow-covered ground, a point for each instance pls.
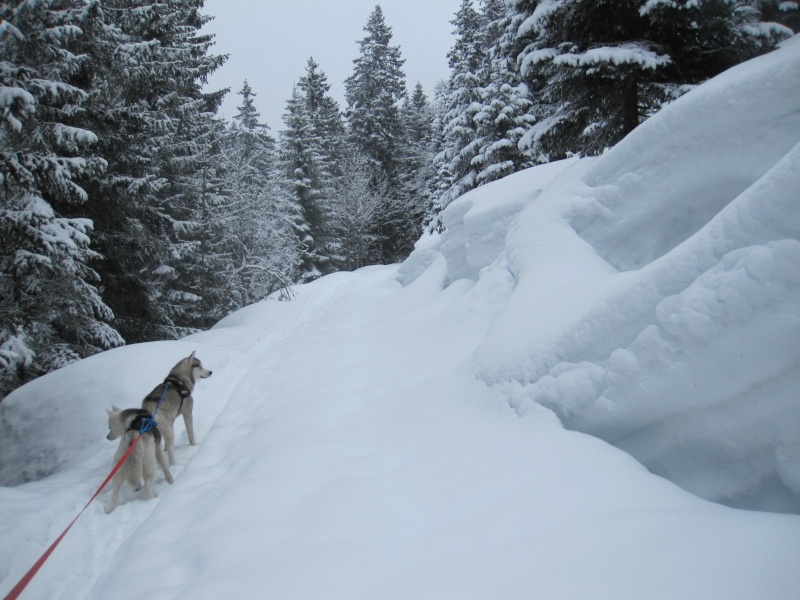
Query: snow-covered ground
x: 472, y: 424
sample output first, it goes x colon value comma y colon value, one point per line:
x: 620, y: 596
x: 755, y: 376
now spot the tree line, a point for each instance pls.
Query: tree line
x: 131, y: 212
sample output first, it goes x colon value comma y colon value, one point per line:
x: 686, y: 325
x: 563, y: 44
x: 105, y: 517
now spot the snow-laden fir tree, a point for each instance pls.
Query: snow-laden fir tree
x: 505, y: 114
x: 192, y: 111
x: 706, y: 38
x: 326, y: 118
x: 249, y: 247
x: 374, y: 92
x: 324, y: 140
x: 300, y: 166
x: 51, y: 313
x: 419, y: 170
x: 359, y: 202
x: 601, y: 67
x: 783, y: 12
x: 456, y: 164
x: 154, y: 122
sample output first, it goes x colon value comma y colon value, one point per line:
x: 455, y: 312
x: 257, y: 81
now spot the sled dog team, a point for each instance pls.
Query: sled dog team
x: 175, y: 397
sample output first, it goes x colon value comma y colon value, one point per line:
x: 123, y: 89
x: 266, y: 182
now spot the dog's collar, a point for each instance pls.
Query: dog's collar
x: 184, y: 391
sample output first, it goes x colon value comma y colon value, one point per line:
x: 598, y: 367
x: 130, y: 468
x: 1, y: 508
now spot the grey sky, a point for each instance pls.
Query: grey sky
x: 270, y: 41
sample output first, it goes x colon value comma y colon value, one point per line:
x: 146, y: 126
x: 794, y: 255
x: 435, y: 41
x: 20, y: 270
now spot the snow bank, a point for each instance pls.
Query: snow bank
x: 656, y: 288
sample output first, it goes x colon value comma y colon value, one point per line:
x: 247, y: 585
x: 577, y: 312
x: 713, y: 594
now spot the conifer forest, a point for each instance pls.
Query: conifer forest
x: 130, y: 211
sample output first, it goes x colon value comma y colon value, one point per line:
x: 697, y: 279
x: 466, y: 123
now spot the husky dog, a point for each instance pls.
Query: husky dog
x: 177, y: 400
x: 140, y: 467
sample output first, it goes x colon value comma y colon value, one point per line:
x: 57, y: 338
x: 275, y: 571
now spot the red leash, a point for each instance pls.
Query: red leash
x: 14, y: 593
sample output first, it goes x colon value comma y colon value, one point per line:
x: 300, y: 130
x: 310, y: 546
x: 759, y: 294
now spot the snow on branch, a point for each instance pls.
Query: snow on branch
x: 626, y: 54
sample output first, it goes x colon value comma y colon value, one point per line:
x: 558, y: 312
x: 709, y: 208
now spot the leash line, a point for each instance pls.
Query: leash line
x: 26, y: 579
x: 147, y: 425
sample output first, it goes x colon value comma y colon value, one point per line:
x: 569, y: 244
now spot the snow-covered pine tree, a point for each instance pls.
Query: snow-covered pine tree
x: 251, y: 251
x: 598, y: 66
x: 784, y: 12
x: 192, y: 112
x: 374, y: 92
x: 51, y: 313
x: 601, y: 67
x: 300, y: 163
x: 325, y: 116
x: 705, y: 38
x: 324, y: 139
x: 442, y: 179
x: 153, y: 120
x: 505, y: 114
x: 419, y: 171
x: 457, y: 171
x: 359, y: 201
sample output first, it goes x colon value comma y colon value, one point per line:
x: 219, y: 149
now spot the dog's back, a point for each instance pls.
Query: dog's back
x: 139, y: 469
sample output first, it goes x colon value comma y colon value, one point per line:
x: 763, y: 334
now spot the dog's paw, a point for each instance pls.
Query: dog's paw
x: 170, y: 479
x: 109, y: 509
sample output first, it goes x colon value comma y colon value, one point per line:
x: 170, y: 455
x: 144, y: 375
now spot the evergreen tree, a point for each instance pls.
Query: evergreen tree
x: 193, y: 115
x: 328, y: 130
x: 456, y: 161
x: 300, y: 165
x: 419, y: 171
x: 154, y: 123
x: 359, y: 201
x: 251, y: 247
x: 601, y: 67
x: 324, y: 139
x: 51, y: 313
x: 374, y: 92
x: 442, y: 179
x: 783, y: 12
x: 505, y: 115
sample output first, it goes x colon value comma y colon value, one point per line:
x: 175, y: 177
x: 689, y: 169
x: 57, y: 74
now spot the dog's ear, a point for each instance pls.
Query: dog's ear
x: 191, y: 356
x: 114, y: 409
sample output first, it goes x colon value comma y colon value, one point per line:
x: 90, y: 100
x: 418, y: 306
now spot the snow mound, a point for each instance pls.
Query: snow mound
x: 655, y: 299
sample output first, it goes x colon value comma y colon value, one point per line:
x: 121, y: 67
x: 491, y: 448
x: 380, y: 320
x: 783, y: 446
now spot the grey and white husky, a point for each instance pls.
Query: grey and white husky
x: 177, y: 400
x: 140, y: 468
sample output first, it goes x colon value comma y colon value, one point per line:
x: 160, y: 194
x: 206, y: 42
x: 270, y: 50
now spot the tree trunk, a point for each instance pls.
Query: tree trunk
x: 630, y: 107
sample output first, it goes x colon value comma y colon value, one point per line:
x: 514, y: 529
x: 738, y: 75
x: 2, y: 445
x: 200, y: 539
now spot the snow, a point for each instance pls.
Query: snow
x: 624, y: 54
x: 476, y: 422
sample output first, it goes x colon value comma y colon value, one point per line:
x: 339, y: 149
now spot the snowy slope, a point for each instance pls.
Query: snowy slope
x: 655, y: 295
x: 397, y: 432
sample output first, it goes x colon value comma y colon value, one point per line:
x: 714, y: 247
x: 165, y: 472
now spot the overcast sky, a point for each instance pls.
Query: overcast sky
x: 270, y: 41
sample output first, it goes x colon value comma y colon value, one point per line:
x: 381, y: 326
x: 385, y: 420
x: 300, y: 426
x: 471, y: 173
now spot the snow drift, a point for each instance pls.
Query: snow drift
x: 656, y: 288
x: 398, y: 432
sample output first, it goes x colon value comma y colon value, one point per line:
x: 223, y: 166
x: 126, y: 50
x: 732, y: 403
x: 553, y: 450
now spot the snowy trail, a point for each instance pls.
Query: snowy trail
x: 234, y: 351
x: 338, y: 475
x: 346, y: 452
x: 293, y: 438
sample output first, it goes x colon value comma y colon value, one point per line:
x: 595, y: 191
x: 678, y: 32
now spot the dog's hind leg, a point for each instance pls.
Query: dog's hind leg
x: 162, y: 462
x: 169, y: 440
x: 116, y: 484
x: 148, y: 467
x: 133, y: 470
